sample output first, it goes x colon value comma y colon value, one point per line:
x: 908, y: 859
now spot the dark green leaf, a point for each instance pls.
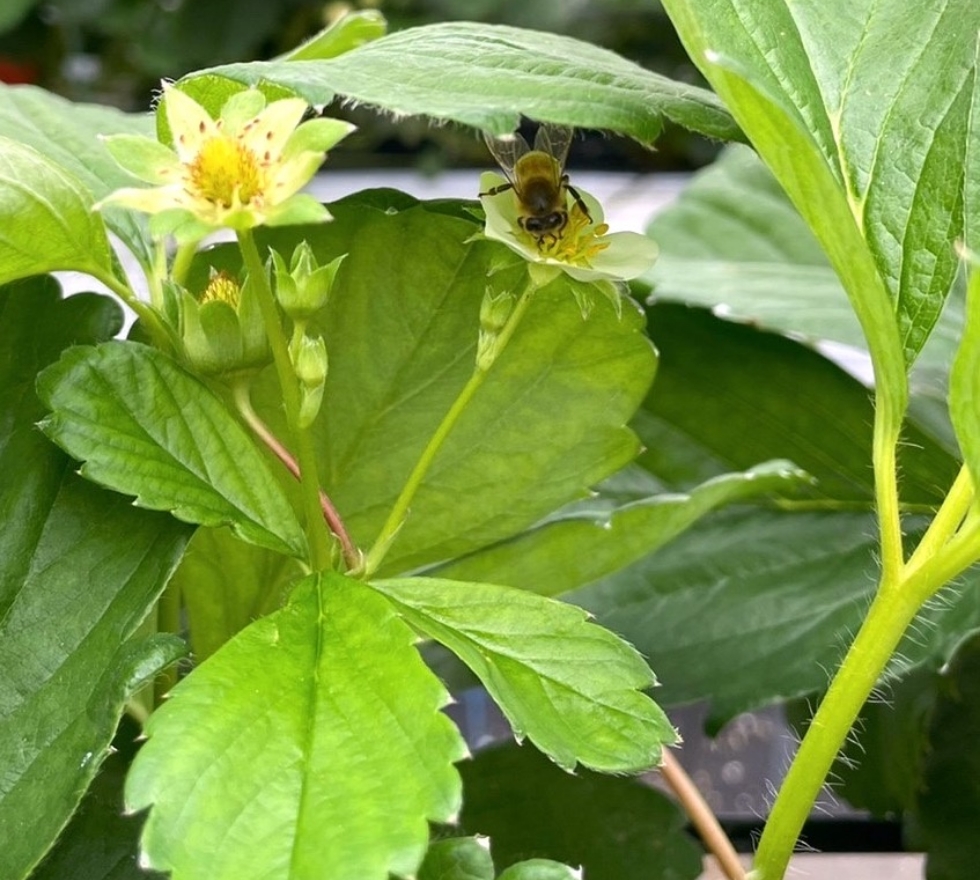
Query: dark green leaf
x: 595, y: 539
x: 568, y: 685
x: 144, y: 427
x: 880, y: 769
x: 68, y: 134
x: 749, y: 607
x: 458, y: 858
x: 100, y: 843
x: 226, y: 584
x: 79, y: 570
x: 47, y: 219
x: 309, y: 746
x: 949, y: 805
x: 761, y: 396
x: 488, y: 76
x: 615, y: 828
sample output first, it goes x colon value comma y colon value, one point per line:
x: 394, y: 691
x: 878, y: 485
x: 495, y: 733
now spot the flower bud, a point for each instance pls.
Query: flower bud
x: 309, y: 358
x: 223, y: 333
x: 303, y: 288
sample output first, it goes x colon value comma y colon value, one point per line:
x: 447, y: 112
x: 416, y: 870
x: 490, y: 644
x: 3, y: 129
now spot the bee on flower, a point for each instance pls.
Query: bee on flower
x: 556, y: 227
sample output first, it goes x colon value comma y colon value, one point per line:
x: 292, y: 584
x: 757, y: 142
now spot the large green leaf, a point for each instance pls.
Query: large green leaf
x: 949, y: 804
x: 79, y: 570
x: 143, y: 426
x: 593, y: 540
x: 401, y: 330
x: 488, y: 76
x: 46, y: 218
x: 569, y: 686
x: 762, y: 396
x: 226, y: 584
x: 615, y: 828
x: 68, y: 134
x: 861, y: 112
x: 752, y: 606
x: 309, y: 746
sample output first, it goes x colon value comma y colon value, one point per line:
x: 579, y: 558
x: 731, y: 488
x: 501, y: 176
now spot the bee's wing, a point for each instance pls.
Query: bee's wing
x: 555, y: 141
x: 507, y: 150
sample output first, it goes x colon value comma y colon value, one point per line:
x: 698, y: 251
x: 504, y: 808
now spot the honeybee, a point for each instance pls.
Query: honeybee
x: 538, y: 179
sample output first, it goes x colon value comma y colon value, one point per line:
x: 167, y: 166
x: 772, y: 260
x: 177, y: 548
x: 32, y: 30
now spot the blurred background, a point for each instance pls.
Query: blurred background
x: 117, y: 51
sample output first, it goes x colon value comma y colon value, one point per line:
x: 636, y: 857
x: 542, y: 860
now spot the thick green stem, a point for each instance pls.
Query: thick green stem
x: 947, y: 520
x: 887, y: 428
x: 182, y: 262
x: 143, y: 310
x: 895, y: 605
x: 399, y: 511
x: 316, y: 532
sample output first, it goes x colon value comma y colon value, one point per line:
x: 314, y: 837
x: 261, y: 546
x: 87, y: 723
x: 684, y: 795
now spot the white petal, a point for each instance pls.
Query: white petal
x: 190, y: 125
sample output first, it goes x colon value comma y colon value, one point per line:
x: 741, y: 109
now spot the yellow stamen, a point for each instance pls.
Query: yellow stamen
x: 222, y: 288
x: 224, y: 169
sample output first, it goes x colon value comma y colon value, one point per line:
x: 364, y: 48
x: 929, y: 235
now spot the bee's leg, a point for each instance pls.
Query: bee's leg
x: 576, y: 196
x: 498, y: 189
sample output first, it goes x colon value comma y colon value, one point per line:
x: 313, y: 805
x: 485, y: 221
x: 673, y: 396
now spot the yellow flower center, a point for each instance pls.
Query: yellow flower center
x: 223, y: 169
x: 222, y: 288
x: 578, y: 242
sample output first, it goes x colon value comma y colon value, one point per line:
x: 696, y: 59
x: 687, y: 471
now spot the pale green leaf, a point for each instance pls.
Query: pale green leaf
x: 144, y: 427
x: 571, y: 687
x: 861, y: 111
x: 347, y: 32
x: 540, y: 869
x: 309, y: 746
x: 67, y: 133
x: 46, y: 218
x: 226, y: 584
x: 964, y: 383
x: 79, y: 570
x: 488, y: 76
x: 458, y: 858
x: 593, y: 539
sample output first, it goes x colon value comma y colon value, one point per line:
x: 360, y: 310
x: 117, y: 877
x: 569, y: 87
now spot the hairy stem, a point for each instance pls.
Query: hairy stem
x: 702, y: 817
x: 399, y: 512
x: 352, y: 556
x: 316, y: 532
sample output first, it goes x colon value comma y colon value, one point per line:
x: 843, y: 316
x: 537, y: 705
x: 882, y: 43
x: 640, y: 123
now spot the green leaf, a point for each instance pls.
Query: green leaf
x: 569, y: 686
x: 46, y: 217
x: 348, y: 32
x: 487, y: 76
x: 13, y: 12
x: 68, y: 135
x: 615, y: 828
x: 949, y: 803
x: 226, y: 584
x: 964, y: 382
x: 825, y: 93
x: 79, y: 570
x: 593, y: 540
x: 540, y: 869
x: 775, y: 595
x: 329, y: 707
x: 761, y: 396
x: 100, y: 843
x: 401, y: 329
x: 144, y: 427
x: 458, y: 858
